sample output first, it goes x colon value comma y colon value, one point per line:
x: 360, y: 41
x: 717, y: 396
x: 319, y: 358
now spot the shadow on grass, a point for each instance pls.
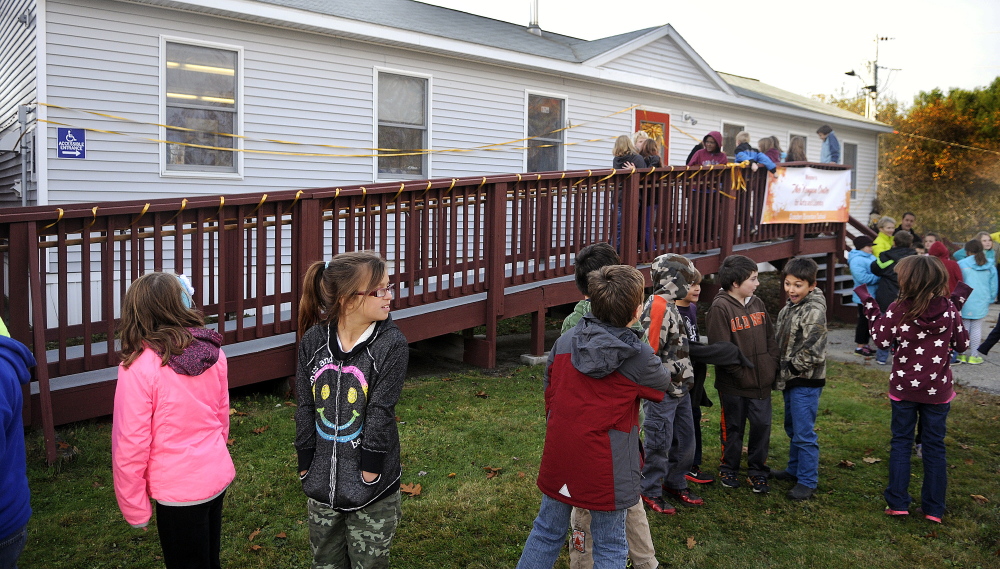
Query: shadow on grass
x: 455, y: 427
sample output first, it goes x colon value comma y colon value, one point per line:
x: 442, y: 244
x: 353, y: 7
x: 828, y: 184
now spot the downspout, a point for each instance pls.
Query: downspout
x: 41, y: 111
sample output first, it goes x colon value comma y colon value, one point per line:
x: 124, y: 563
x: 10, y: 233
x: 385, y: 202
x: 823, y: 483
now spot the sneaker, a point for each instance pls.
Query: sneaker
x: 659, y: 506
x: 759, y: 484
x: 698, y: 476
x: 685, y: 496
x: 864, y: 351
x: 974, y: 360
x: 729, y: 479
x: 783, y: 475
x: 800, y: 492
x: 963, y: 359
x: 928, y: 517
x: 881, y: 362
x: 896, y: 513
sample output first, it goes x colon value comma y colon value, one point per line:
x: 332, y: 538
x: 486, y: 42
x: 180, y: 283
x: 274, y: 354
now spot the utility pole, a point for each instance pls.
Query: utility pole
x: 871, y: 90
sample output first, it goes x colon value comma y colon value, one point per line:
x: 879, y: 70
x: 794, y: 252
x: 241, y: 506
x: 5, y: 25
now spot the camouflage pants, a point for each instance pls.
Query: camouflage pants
x: 353, y: 540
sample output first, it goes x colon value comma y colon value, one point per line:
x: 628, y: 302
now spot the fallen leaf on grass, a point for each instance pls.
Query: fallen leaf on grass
x: 422, y: 473
x: 237, y: 413
x: 845, y: 464
x: 254, y: 534
x: 979, y: 498
x: 866, y: 385
x: 255, y: 547
x: 300, y: 522
x: 871, y: 459
x: 260, y: 430
x: 410, y: 489
x: 520, y: 475
x: 932, y: 535
x: 491, y: 471
x: 964, y: 447
x: 447, y: 379
x: 452, y: 475
x: 482, y: 394
x: 281, y: 535
x: 869, y: 451
x: 969, y: 461
x: 768, y: 512
x: 290, y: 404
x: 97, y: 485
x: 397, y: 418
x: 691, y: 542
x: 230, y: 442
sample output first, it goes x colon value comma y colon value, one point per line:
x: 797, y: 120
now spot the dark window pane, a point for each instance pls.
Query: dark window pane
x: 544, y: 156
x: 729, y: 132
x: 851, y: 159
x: 207, y: 123
x: 545, y: 115
x: 403, y: 139
x: 402, y: 99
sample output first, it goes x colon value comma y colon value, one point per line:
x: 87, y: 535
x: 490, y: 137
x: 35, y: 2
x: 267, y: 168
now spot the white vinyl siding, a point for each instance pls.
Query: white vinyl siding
x: 17, y: 68
x: 320, y: 91
x: 662, y: 59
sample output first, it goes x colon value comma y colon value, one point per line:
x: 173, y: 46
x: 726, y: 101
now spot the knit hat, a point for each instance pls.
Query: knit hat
x: 862, y: 241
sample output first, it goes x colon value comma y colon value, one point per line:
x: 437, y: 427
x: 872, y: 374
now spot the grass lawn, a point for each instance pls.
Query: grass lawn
x: 457, y: 429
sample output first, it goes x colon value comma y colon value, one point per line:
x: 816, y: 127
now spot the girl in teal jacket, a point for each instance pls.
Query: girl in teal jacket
x: 981, y: 274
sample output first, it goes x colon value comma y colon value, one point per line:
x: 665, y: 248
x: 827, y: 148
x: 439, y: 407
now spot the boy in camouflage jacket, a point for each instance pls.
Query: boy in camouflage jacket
x: 671, y: 418
x: 801, y: 334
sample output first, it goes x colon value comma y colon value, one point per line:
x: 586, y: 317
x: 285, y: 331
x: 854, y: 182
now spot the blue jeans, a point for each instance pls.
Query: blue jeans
x: 548, y: 535
x: 801, y: 405
x: 11, y: 547
x: 933, y: 419
x: 881, y: 355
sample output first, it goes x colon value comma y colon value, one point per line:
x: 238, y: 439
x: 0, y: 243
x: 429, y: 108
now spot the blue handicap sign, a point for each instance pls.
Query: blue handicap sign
x: 71, y: 143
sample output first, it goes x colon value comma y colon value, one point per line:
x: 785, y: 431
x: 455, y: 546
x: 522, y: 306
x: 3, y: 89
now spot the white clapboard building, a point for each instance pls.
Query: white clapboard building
x: 305, y: 90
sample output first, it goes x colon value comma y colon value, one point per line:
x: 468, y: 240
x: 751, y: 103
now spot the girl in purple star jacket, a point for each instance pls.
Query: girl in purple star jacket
x: 923, y: 325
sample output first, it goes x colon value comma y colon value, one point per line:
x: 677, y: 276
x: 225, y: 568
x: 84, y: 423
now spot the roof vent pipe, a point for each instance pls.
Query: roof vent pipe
x: 533, y: 24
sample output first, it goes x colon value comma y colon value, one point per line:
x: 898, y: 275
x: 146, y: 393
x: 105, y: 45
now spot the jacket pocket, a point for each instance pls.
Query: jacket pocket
x: 656, y: 437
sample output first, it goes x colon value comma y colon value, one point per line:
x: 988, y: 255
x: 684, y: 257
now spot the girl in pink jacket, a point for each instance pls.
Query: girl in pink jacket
x: 171, y: 421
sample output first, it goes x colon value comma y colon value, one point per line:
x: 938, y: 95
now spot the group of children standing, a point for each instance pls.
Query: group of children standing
x: 652, y: 351
x: 874, y: 263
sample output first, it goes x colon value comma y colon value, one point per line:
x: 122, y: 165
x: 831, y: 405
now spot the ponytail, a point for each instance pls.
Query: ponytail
x: 312, y: 305
x: 975, y: 248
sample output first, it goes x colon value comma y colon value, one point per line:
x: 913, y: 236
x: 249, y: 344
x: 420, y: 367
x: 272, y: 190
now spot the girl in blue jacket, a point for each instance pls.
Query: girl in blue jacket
x: 979, y: 273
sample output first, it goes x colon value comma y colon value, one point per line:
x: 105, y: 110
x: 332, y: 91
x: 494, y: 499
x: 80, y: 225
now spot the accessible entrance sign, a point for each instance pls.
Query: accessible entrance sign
x: 71, y: 143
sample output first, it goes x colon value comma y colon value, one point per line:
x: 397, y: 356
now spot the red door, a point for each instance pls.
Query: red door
x: 657, y: 126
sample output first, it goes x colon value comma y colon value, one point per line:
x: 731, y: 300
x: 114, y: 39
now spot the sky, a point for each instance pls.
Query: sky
x: 803, y: 46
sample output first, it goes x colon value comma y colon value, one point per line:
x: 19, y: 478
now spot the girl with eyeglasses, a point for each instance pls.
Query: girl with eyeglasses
x: 351, y: 364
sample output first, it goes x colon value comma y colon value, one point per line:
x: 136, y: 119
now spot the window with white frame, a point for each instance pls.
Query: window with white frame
x: 402, y: 125
x: 851, y: 159
x: 546, y: 118
x: 201, y: 99
x: 729, y: 132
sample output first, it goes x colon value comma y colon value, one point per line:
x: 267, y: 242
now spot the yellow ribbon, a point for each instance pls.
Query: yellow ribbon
x: 613, y: 172
x: 401, y: 187
x: 298, y: 195
x: 262, y: 198
x: 145, y: 208
x: 453, y: 182
x: 184, y: 204
x: 581, y: 180
x: 58, y: 218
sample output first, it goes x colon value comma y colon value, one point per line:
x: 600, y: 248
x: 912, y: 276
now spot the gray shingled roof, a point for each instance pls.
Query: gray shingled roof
x: 445, y: 22
x: 754, y: 89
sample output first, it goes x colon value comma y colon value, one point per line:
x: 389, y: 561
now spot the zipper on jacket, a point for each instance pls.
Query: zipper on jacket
x: 334, y: 466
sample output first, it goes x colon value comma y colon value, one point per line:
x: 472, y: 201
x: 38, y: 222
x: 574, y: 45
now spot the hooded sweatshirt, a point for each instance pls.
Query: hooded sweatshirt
x: 705, y: 158
x: 345, y: 422
x: 983, y: 280
x: 595, y: 376
x: 168, y: 439
x: 939, y: 250
x: 921, y: 371
x: 15, y: 506
x: 885, y: 268
x: 861, y: 271
x: 671, y: 274
x: 801, y: 334
x: 749, y: 327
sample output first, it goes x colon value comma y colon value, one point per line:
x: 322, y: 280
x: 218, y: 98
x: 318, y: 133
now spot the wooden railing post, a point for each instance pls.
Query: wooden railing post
x: 630, y: 219
x: 485, y: 355
x: 307, y: 247
x: 37, y: 282
x: 727, y: 220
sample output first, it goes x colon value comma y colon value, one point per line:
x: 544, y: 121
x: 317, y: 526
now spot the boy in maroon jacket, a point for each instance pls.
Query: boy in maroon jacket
x: 597, y: 373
